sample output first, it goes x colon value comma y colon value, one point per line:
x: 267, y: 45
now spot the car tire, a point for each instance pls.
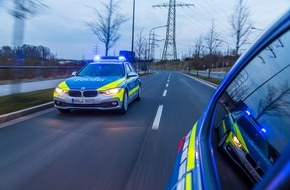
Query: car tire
x: 124, y: 108
x: 63, y: 110
x: 139, y: 94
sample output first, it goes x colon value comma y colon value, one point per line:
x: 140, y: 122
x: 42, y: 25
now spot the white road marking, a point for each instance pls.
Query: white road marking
x: 167, y: 85
x: 156, y: 122
x: 165, y: 92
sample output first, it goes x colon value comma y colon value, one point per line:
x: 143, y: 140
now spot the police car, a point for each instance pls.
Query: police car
x: 241, y: 138
x: 105, y: 84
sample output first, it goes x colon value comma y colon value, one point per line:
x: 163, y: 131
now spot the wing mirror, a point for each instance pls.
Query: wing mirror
x: 132, y: 74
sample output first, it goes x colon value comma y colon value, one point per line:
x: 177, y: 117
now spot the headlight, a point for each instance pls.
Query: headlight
x: 111, y: 91
x: 237, y: 141
x: 60, y: 91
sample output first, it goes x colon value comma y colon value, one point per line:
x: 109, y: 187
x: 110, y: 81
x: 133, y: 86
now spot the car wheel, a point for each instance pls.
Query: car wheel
x: 63, y: 110
x: 124, y: 108
x: 139, y: 94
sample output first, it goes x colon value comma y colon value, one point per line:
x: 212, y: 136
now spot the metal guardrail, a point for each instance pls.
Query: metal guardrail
x: 40, y: 67
x: 30, y: 72
x: 211, y: 74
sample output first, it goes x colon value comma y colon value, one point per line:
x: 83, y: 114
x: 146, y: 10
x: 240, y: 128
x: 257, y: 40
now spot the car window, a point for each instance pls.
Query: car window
x: 133, y: 69
x: 128, y: 69
x: 100, y: 70
x: 256, y: 136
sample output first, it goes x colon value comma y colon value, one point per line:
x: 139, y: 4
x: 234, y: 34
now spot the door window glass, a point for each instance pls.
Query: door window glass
x: 254, y: 128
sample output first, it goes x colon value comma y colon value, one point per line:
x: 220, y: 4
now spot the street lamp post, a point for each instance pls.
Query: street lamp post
x: 149, y: 51
x: 133, y: 25
x: 226, y: 43
x: 254, y: 28
x: 227, y: 51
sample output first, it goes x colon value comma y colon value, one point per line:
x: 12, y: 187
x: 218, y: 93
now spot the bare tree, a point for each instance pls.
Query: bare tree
x: 212, y: 43
x: 107, y: 24
x: 276, y: 103
x: 241, y: 25
x: 211, y: 39
x: 198, y: 46
x: 140, y: 45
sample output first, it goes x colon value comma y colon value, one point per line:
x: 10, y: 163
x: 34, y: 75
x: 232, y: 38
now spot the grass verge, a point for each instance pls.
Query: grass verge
x: 211, y: 80
x: 21, y: 101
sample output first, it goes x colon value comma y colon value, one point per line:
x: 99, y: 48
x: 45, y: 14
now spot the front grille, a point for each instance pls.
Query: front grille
x: 90, y: 93
x: 75, y: 93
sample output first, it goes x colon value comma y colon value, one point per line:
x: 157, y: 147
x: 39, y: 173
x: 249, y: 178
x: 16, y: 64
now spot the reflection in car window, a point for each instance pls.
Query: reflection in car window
x: 101, y: 70
x: 261, y: 92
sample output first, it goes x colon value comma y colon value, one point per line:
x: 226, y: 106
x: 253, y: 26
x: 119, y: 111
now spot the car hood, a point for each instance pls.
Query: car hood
x: 93, y: 82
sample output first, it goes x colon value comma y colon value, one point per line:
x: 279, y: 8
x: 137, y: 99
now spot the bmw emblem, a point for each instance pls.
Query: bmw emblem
x: 83, y: 88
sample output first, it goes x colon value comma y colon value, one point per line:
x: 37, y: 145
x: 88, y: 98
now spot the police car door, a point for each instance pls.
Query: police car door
x: 132, y: 82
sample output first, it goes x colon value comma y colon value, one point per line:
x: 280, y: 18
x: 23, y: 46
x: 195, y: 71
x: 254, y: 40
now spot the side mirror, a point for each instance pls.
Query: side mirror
x: 73, y: 73
x: 132, y: 74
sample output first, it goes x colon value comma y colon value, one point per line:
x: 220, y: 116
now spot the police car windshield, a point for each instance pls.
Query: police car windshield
x: 102, y: 70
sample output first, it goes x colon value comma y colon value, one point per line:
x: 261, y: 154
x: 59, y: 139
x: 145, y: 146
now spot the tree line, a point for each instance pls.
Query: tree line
x: 25, y: 51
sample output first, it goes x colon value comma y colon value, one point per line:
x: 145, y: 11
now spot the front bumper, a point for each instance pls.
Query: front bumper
x: 244, y: 161
x: 101, y: 102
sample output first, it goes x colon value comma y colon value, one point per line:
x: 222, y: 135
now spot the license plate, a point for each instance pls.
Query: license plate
x: 82, y: 101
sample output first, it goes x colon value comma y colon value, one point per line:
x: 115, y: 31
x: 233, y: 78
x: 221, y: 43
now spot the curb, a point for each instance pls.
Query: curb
x: 212, y: 85
x: 24, y: 112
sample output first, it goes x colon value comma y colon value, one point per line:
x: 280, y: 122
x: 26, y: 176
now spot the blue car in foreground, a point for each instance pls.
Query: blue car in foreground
x: 242, y: 141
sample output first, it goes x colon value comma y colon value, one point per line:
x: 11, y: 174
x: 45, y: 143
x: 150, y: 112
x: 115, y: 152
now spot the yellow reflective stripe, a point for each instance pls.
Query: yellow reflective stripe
x: 224, y: 126
x: 63, y: 86
x: 120, y: 95
x: 112, y: 84
x: 133, y: 90
x: 188, y: 183
x: 191, y: 150
x: 240, y: 137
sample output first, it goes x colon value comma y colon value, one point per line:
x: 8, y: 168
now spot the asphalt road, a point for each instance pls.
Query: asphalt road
x: 104, y: 150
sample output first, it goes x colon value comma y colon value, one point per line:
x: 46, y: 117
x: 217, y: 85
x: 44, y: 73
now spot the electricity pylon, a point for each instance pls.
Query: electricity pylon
x: 169, y: 50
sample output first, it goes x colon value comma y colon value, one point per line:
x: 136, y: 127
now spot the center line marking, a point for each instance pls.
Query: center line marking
x: 165, y: 92
x: 156, y: 122
x: 167, y: 85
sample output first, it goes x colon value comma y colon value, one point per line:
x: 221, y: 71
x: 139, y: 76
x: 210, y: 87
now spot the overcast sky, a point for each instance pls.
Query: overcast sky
x: 62, y: 27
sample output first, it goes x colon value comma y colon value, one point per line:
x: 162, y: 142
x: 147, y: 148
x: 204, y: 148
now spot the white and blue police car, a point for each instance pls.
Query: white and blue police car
x: 105, y: 84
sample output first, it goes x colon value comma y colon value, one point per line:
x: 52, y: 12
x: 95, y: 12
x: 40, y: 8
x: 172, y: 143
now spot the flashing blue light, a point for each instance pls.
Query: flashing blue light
x: 263, y: 130
x: 97, y: 58
x: 248, y: 113
x: 122, y: 58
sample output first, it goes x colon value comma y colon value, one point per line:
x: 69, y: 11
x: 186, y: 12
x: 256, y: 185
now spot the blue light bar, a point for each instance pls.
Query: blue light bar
x: 264, y: 130
x: 122, y: 58
x: 97, y: 58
